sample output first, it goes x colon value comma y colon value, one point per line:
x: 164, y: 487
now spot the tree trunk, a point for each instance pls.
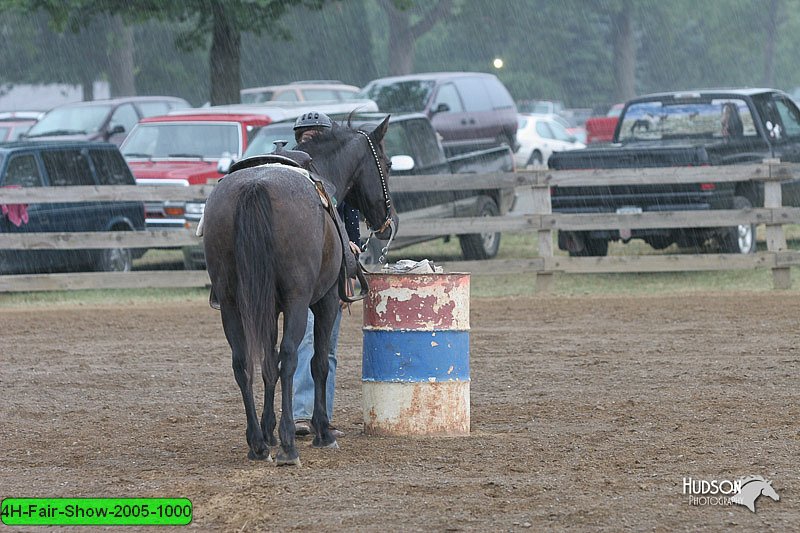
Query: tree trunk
x: 624, y: 45
x: 87, y: 84
x: 225, y: 58
x: 770, y: 38
x: 403, y: 35
x: 401, y: 44
x: 120, y: 58
x: 364, y: 63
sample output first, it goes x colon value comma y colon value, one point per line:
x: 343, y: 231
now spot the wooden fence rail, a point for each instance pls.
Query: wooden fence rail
x: 541, y: 220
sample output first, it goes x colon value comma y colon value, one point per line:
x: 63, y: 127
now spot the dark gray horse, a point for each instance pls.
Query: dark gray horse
x: 272, y: 247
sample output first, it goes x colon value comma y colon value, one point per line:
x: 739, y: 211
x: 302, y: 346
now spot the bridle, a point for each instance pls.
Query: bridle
x: 387, y: 202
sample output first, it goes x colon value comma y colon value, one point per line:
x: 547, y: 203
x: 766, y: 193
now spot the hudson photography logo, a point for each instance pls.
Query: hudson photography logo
x: 743, y: 491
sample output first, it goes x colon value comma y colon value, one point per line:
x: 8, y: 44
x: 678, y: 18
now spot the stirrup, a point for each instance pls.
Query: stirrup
x: 362, y: 281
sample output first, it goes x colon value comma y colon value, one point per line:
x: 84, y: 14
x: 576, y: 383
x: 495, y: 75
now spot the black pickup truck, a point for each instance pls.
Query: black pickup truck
x: 415, y: 149
x: 695, y: 128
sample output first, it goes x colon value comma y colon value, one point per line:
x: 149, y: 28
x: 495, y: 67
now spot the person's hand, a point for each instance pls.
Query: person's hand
x: 354, y: 248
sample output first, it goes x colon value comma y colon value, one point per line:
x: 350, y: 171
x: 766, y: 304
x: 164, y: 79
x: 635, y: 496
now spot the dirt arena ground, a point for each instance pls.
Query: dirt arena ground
x: 587, y: 413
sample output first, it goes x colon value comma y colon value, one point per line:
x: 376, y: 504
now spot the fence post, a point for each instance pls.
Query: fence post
x: 776, y: 240
x: 542, y: 206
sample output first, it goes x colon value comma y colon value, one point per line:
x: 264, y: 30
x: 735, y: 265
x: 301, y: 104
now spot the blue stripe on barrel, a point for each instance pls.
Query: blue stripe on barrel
x: 415, y: 356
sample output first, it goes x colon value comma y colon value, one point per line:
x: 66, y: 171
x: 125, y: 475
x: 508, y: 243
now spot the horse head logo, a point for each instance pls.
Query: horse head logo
x: 751, y: 488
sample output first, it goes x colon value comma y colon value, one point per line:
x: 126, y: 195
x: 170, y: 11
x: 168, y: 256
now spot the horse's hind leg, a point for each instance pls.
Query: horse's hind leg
x: 325, y: 312
x: 294, y: 327
x: 269, y: 372
x: 243, y: 373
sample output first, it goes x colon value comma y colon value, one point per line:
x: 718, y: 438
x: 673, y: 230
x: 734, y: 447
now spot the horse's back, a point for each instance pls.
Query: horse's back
x: 297, y: 219
x: 291, y: 195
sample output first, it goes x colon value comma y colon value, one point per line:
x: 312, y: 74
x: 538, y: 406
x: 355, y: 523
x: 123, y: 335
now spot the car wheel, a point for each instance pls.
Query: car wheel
x: 481, y: 245
x: 739, y: 239
x: 592, y: 248
x: 115, y: 260
x: 535, y: 160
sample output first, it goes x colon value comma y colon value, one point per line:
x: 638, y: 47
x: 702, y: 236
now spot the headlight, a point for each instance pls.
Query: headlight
x: 193, y: 208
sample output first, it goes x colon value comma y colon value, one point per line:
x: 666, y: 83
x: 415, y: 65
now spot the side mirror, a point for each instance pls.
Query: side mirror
x: 402, y: 163
x: 441, y: 108
x: 225, y: 162
x: 119, y: 128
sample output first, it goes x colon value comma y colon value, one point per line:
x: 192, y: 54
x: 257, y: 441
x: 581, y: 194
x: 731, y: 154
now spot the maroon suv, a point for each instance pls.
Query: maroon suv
x: 470, y: 110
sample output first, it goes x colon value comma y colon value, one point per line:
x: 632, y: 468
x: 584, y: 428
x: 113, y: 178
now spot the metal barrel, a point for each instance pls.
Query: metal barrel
x: 415, y: 359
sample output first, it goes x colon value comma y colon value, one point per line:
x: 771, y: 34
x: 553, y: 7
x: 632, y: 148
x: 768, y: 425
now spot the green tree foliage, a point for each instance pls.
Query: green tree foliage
x: 329, y: 44
x: 220, y: 22
x: 562, y: 50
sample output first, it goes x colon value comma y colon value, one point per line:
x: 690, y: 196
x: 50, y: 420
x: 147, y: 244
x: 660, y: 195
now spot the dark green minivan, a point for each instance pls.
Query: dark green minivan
x: 61, y: 164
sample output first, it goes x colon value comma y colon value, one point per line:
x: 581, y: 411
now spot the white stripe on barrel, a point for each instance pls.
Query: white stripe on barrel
x: 415, y: 359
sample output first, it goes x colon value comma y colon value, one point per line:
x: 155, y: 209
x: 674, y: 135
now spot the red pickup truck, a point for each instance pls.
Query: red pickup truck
x: 601, y: 129
x: 185, y: 149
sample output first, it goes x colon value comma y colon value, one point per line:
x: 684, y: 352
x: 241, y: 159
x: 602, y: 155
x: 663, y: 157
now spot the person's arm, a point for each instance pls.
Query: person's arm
x: 351, y: 222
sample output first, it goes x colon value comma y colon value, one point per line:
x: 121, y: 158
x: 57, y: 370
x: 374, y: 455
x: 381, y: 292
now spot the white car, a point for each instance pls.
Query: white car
x: 300, y: 91
x: 539, y: 136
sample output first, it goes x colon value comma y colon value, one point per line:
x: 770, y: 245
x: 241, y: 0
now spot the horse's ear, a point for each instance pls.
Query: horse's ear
x: 377, y: 134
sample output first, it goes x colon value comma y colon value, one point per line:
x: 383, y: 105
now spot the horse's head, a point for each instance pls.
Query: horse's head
x: 355, y: 162
x: 767, y: 490
x: 370, y: 192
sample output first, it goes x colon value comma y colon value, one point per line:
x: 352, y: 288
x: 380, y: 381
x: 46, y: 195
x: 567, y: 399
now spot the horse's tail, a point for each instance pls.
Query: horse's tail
x: 255, y: 268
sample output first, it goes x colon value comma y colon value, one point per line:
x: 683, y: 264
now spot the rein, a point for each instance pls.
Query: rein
x: 387, y: 201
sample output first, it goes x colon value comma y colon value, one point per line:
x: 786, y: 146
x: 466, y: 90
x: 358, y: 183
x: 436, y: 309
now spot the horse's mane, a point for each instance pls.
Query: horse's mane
x: 748, y: 479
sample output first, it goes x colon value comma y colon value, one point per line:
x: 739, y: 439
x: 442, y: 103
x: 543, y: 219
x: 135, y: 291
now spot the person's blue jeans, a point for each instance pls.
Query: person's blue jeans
x: 303, y: 386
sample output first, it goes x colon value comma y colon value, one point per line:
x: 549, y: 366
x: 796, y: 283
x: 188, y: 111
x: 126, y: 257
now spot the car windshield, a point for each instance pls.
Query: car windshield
x: 400, y: 97
x: 689, y: 119
x: 71, y: 120
x: 263, y: 142
x: 185, y: 139
x: 257, y: 97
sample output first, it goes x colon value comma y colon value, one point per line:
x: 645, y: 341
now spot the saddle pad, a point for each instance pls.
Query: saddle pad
x: 303, y: 172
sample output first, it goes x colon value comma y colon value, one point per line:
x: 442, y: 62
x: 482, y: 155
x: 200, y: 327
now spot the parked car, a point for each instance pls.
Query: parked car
x: 102, y: 120
x: 58, y: 164
x: 14, y: 124
x: 539, y: 136
x: 601, y: 129
x: 540, y: 107
x: 185, y: 149
x: 470, y: 110
x: 414, y: 148
x: 695, y: 128
x: 301, y: 91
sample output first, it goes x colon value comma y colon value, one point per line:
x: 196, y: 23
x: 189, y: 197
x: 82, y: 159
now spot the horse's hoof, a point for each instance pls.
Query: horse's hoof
x: 331, y: 445
x: 288, y: 462
x: 263, y: 456
x: 287, y: 459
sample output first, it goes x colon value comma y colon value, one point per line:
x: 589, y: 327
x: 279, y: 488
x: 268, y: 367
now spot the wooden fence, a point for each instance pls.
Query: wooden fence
x: 541, y: 220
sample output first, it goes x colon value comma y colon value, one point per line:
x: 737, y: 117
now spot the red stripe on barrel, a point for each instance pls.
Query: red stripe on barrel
x: 417, y: 302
